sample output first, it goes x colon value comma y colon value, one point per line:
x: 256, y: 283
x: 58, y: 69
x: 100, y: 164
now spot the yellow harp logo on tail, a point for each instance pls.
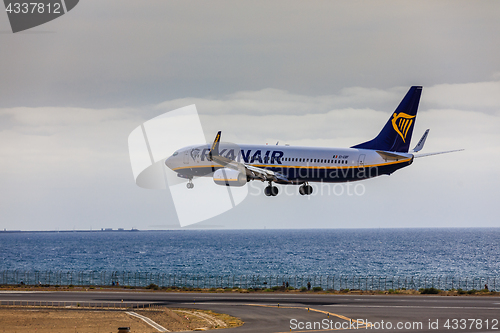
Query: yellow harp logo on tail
x: 402, y: 123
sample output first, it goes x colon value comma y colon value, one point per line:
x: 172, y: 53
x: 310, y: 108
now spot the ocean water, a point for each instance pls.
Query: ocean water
x: 375, y: 252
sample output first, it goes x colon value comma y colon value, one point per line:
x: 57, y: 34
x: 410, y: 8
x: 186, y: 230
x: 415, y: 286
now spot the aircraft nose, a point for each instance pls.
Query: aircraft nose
x: 170, y: 162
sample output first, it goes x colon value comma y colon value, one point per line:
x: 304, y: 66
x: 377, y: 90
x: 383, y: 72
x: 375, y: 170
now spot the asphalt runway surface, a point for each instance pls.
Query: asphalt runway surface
x: 305, y: 312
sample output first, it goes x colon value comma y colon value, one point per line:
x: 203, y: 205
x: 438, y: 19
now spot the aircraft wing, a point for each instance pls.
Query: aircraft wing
x: 250, y: 170
x: 264, y: 174
x: 437, y: 153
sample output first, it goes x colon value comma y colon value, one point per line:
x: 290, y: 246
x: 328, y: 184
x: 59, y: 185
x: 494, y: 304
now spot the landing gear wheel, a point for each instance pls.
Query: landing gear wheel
x: 301, y: 190
x: 271, y: 191
x: 267, y: 191
x: 274, y: 191
x: 309, y: 190
x: 190, y: 184
x: 305, y: 189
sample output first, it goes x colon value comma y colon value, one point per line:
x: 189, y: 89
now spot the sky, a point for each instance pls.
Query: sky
x: 313, y: 73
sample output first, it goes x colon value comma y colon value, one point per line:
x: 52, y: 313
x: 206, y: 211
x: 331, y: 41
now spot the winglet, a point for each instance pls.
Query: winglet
x: 214, y: 150
x: 421, y: 142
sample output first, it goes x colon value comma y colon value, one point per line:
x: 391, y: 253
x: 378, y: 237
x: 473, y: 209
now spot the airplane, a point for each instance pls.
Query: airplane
x: 236, y: 165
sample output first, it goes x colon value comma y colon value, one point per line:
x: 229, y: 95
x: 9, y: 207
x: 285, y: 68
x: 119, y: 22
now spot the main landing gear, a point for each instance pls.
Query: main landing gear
x: 305, y: 189
x: 271, y: 190
x: 190, y: 184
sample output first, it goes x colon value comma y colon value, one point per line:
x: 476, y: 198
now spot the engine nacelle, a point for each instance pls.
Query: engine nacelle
x: 229, y: 177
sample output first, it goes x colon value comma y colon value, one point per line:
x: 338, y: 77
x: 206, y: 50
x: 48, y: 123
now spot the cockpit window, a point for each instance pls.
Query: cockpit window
x: 175, y: 153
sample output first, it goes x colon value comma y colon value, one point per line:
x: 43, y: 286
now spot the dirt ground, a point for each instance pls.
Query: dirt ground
x: 55, y: 320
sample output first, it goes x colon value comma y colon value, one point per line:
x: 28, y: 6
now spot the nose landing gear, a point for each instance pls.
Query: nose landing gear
x: 271, y: 190
x: 190, y: 184
x: 305, y: 189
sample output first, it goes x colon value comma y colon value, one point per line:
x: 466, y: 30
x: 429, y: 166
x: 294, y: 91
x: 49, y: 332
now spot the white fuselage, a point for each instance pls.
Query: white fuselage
x: 297, y: 164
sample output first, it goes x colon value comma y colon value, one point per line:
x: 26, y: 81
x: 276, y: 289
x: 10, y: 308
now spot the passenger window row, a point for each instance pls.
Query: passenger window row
x: 314, y: 160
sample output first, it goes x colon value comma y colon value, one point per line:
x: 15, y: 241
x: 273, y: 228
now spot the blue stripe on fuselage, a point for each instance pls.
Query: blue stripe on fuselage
x: 314, y: 173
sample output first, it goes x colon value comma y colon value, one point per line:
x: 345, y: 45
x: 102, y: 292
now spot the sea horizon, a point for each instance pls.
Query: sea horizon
x: 374, y: 251
x: 189, y: 228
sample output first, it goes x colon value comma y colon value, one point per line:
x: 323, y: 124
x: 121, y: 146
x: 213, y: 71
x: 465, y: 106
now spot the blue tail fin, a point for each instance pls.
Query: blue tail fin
x: 396, y: 134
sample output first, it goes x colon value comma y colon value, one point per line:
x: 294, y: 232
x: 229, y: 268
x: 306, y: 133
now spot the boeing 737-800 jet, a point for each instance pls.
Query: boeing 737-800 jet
x: 235, y: 165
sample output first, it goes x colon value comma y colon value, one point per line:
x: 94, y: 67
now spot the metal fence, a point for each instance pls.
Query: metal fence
x: 326, y: 282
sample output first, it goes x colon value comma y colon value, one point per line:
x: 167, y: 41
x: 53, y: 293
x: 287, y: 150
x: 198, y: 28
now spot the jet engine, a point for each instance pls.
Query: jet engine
x: 229, y: 177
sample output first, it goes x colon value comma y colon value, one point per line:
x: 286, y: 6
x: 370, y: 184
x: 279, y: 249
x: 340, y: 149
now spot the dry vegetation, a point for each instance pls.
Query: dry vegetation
x: 53, y: 320
x: 452, y: 292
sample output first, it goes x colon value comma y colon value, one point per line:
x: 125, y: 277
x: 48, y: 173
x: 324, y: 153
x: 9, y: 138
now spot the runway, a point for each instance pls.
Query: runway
x: 260, y: 312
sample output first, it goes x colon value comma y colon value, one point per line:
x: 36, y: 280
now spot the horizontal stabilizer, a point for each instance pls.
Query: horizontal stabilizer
x: 391, y: 156
x: 438, y: 153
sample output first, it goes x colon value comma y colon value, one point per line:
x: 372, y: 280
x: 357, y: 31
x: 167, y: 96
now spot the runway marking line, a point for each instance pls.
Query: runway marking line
x: 315, y: 310
x: 148, y: 321
x: 210, y: 319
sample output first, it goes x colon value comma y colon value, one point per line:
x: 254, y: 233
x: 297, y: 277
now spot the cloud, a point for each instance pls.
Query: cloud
x: 65, y: 168
x: 478, y: 96
x: 115, y: 54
